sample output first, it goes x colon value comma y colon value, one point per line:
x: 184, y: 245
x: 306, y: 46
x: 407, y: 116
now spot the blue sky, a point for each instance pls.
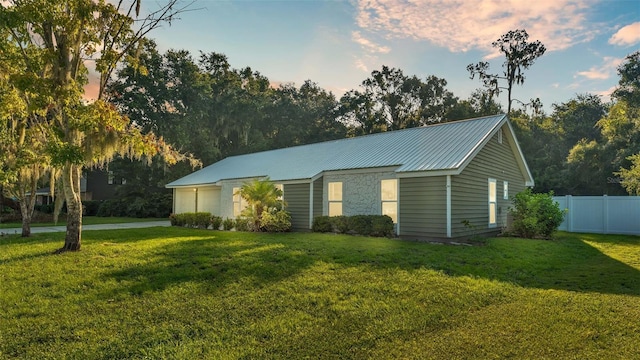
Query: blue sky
x: 338, y: 43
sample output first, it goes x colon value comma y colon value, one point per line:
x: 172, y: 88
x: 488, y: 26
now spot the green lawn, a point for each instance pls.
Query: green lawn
x: 87, y: 220
x: 194, y: 294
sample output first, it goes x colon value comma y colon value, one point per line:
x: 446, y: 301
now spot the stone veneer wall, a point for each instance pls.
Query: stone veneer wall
x: 360, y: 192
x: 226, y: 196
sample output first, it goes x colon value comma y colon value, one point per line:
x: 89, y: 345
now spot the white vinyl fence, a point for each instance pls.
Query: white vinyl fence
x: 601, y: 214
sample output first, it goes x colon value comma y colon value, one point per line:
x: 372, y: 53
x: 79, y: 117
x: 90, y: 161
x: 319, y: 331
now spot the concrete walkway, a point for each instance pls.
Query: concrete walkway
x: 63, y: 228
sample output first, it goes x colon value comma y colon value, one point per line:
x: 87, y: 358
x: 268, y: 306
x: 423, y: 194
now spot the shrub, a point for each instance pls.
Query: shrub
x: 216, y: 221
x: 275, y: 221
x: 155, y: 205
x: 340, y: 224
x: 175, y: 220
x: 535, y: 215
x: 321, y: 224
x: 228, y: 224
x: 368, y: 225
x: 91, y: 207
x: 381, y: 225
x: 360, y: 224
x: 200, y: 220
x: 45, y: 208
x: 244, y: 224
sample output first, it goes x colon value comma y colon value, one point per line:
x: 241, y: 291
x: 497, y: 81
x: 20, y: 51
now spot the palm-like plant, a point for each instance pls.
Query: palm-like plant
x: 261, y: 194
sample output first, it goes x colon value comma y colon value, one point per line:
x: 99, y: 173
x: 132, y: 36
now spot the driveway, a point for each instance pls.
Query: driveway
x: 63, y: 228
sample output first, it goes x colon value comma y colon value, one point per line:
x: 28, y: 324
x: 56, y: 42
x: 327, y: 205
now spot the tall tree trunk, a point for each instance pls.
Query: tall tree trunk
x: 28, y: 204
x: 71, y: 185
x: 1, y: 202
x: 26, y: 216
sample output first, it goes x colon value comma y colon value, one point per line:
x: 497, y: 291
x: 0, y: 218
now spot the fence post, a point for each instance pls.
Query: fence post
x: 605, y: 214
x: 569, y: 213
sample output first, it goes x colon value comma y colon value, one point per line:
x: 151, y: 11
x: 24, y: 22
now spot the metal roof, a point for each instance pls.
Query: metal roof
x: 445, y: 146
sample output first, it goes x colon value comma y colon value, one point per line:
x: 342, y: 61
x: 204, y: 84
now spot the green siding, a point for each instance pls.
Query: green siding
x: 297, y: 198
x: 422, y: 207
x: 317, y: 197
x: 470, y: 189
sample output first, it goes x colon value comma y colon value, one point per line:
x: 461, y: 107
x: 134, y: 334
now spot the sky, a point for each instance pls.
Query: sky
x: 337, y: 44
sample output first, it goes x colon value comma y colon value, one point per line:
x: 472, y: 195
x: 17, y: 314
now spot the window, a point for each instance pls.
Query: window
x: 492, y: 203
x: 505, y: 190
x: 335, y: 198
x: 389, y: 197
x: 110, y: 177
x: 239, y: 203
x: 500, y: 136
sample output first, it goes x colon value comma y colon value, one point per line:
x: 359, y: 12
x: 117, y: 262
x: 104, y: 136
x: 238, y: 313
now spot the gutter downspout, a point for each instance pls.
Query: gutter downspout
x: 311, y: 204
x: 448, y: 206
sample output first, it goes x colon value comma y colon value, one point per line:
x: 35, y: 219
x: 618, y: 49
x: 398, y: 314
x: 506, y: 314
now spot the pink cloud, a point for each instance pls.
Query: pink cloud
x: 627, y: 35
x: 368, y: 44
x: 602, y: 72
x: 461, y: 25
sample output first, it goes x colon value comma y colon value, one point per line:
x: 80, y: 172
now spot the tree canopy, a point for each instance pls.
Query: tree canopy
x: 46, y: 45
x: 519, y: 56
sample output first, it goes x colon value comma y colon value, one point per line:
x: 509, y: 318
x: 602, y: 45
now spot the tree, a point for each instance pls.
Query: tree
x: 261, y: 195
x: 391, y: 100
x: 480, y: 103
x: 613, y: 152
x: 520, y: 55
x: 24, y: 162
x: 629, y: 84
x: 50, y: 40
x: 630, y: 178
x: 628, y: 96
x: 301, y: 115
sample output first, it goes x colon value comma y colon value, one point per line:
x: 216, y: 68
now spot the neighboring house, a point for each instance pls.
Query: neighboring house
x: 102, y: 184
x: 43, y: 195
x: 94, y: 185
x: 430, y: 180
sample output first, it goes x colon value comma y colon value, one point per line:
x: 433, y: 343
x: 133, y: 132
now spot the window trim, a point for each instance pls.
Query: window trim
x: 505, y: 190
x: 331, y: 200
x: 389, y: 201
x: 493, y: 210
x: 238, y: 201
x: 281, y: 188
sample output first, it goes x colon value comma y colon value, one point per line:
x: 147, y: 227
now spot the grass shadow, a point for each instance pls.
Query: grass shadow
x: 219, y: 259
x: 214, y: 263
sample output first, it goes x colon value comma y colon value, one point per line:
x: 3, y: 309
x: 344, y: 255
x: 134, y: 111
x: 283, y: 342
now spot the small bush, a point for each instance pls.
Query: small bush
x: 216, y: 222
x: 381, y: 226
x: 175, y: 220
x: 154, y: 205
x: 244, y: 224
x: 203, y: 220
x: 91, y: 207
x: 322, y: 224
x: 535, y: 215
x: 228, y: 224
x: 275, y: 221
x: 200, y: 220
x: 340, y: 224
x: 360, y: 224
x: 367, y: 225
x: 45, y: 208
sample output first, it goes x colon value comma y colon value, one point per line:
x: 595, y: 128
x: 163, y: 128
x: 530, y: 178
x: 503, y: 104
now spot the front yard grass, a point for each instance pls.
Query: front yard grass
x: 180, y: 293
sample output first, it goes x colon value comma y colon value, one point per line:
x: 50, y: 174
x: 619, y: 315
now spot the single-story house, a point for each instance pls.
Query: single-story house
x: 441, y: 181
